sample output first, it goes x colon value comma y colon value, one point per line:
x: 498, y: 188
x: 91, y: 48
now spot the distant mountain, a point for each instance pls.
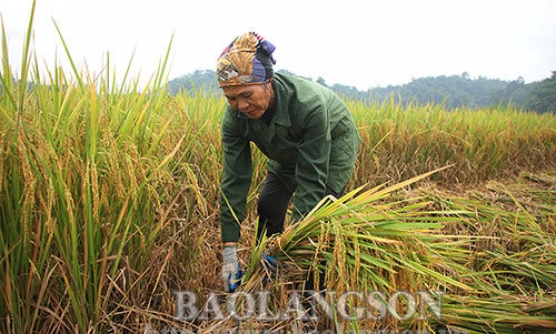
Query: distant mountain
x: 453, y: 92
x: 200, y: 80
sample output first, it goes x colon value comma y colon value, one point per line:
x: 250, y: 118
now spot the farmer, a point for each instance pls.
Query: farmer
x: 305, y: 130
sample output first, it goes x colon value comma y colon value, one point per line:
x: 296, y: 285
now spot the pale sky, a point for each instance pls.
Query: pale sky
x: 352, y: 42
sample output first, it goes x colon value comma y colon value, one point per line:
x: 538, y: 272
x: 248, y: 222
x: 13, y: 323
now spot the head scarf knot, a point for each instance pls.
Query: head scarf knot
x: 247, y: 60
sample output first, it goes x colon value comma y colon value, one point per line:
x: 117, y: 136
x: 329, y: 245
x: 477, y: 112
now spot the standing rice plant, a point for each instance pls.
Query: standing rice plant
x: 85, y: 191
x: 402, y: 141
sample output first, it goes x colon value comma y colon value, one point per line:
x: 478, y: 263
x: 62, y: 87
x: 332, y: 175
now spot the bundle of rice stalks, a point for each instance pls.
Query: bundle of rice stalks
x: 387, y: 262
x: 367, y: 243
x: 501, y: 314
x: 514, y: 269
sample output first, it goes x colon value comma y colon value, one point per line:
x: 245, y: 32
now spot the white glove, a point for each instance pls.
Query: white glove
x: 231, y: 271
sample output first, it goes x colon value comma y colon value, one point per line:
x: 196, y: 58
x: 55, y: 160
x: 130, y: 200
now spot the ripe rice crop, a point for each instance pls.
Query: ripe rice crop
x: 108, y: 205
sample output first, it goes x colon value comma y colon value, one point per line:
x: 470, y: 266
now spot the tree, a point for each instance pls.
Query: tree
x: 452, y: 92
x: 543, y: 97
x: 199, y: 80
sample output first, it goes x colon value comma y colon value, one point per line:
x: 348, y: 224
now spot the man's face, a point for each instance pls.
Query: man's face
x: 252, y: 100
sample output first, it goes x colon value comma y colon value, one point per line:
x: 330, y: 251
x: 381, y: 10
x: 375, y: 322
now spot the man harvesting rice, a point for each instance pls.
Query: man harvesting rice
x: 305, y: 130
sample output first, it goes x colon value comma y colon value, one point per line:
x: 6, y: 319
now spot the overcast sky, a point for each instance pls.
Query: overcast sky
x: 362, y: 43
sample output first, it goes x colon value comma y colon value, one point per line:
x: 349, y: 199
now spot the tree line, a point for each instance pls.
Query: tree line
x: 456, y: 91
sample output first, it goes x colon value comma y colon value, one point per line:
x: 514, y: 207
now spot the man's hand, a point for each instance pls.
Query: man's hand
x: 231, y: 270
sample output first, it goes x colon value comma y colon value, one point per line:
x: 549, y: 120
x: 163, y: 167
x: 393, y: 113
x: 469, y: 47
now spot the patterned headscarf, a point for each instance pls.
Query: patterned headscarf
x: 247, y: 60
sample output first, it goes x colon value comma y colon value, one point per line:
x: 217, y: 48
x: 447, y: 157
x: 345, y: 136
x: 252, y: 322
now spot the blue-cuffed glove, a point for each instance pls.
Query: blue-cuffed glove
x: 270, y: 266
x: 231, y: 270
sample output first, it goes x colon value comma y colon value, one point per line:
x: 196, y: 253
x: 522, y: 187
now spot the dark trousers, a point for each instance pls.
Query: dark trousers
x: 274, y: 199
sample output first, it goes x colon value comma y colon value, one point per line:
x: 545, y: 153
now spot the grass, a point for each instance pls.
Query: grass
x: 108, y: 204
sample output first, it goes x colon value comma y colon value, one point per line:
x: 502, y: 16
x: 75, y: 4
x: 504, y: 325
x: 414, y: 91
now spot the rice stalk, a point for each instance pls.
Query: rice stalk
x: 363, y: 242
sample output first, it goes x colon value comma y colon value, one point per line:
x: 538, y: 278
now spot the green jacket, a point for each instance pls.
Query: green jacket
x: 311, y: 142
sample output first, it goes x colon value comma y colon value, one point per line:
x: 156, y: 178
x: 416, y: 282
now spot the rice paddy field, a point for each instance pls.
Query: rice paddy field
x: 109, y: 207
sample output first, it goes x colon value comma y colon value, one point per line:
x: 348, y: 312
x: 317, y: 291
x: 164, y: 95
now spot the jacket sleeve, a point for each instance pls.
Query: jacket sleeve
x: 235, y: 179
x: 312, y: 164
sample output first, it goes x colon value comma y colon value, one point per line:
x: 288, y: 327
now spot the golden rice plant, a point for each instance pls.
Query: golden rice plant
x: 108, y: 203
x: 88, y: 185
x: 375, y: 241
x: 370, y: 241
x: 400, y: 142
